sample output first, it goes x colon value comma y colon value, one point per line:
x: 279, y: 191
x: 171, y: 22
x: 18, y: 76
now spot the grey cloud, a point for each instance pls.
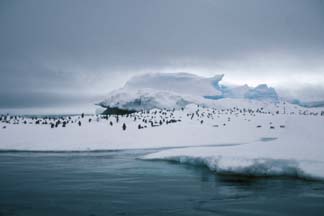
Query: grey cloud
x: 76, y: 46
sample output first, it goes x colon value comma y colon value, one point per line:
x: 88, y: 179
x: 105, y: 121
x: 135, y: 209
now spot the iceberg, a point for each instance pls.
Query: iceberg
x: 176, y: 90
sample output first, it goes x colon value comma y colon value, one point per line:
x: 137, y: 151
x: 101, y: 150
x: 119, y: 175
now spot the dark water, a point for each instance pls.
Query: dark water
x: 115, y: 183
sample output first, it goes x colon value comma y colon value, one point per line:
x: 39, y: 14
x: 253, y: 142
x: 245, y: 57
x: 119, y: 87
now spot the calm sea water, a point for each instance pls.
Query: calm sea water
x: 116, y: 183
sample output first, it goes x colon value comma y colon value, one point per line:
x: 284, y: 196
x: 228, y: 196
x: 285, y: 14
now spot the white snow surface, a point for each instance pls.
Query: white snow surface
x: 100, y: 135
x: 298, y: 151
x: 224, y: 138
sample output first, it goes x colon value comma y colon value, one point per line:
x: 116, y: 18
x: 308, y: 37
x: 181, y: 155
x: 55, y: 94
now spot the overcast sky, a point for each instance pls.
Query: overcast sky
x: 67, y: 52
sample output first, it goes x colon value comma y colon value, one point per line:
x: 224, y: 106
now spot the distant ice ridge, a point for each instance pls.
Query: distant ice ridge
x: 261, y: 92
x: 176, y: 90
x: 308, y: 104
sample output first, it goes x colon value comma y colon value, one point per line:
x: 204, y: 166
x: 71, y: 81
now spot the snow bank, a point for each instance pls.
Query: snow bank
x: 254, y: 166
x: 298, y: 152
x: 251, y: 166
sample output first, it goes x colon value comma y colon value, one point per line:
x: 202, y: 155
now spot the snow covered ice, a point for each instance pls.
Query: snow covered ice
x: 297, y: 152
